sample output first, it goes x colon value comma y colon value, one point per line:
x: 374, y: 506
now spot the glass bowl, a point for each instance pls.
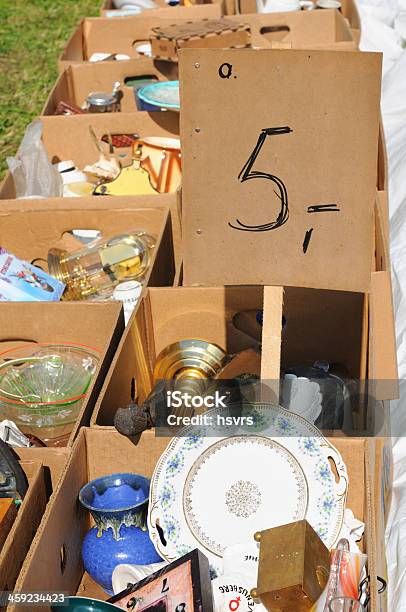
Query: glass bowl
x: 43, y: 387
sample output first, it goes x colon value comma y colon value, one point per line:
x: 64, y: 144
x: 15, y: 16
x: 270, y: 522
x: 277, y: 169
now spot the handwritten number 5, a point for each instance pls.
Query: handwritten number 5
x: 247, y: 173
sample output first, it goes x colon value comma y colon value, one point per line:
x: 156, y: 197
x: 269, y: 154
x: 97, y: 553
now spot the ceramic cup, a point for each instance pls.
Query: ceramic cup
x: 328, y: 4
x: 277, y: 6
x: 126, y: 574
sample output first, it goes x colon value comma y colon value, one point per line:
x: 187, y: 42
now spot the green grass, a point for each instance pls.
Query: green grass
x: 32, y: 35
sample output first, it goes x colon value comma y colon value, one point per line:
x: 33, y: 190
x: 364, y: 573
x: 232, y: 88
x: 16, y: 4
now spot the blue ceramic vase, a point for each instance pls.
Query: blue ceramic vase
x: 118, y: 504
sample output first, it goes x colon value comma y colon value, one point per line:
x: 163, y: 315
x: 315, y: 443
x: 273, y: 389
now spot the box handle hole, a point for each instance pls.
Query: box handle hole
x: 334, y: 469
x: 62, y: 560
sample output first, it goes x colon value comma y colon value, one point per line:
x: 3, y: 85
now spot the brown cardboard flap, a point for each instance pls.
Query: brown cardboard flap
x: 56, y: 554
x: 315, y: 320
x: 381, y: 235
x: 383, y: 370
x: 382, y: 160
x: 24, y: 527
x: 237, y: 230
x: 52, y: 459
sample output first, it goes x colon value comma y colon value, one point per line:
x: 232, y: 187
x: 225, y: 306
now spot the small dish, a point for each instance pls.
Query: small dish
x: 163, y: 95
x: 207, y: 491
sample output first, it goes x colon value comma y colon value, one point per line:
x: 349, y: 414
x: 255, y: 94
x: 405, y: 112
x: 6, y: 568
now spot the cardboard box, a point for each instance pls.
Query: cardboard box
x: 79, y: 80
x: 348, y: 11
x: 208, y: 10
x: 162, y: 273
x: 165, y: 317
x: 25, y: 526
x: 29, y: 234
x: 102, y: 35
x: 325, y: 29
x: 98, y: 325
x: 314, y: 29
x: 315, y: 318
x: 103, y: 451
x: 242, y: 240
x: 68, y: 138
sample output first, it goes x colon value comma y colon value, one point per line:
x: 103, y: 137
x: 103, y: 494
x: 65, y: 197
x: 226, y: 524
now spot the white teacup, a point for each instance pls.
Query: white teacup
x: 125, y: 574
x: 278, y: 6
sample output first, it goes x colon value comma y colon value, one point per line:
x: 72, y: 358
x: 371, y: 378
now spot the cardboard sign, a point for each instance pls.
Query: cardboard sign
x: 279, y: 155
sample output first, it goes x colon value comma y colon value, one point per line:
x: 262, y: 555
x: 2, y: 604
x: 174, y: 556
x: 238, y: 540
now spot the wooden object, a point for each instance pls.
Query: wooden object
x: 293, y: 567
x: 182, y: 585
x: 207, y: 33
x: 8, y: 512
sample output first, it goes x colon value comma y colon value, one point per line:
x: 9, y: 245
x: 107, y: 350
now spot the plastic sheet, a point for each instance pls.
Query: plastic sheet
x: 384, y: 29
x: 34, y: 176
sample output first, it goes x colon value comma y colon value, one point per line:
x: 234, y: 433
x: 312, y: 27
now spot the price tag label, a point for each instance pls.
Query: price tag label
x: 279, y: 154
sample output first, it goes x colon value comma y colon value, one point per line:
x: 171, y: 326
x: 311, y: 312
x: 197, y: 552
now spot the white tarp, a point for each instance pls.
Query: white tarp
x: 384, y: 29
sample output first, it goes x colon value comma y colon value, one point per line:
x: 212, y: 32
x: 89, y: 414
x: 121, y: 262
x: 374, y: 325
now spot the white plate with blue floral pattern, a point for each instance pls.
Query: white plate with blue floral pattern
x: 213, y: 492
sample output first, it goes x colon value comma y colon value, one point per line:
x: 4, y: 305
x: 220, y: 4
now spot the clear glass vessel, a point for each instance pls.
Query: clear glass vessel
x: 43, y: 388
x: 93, y: 271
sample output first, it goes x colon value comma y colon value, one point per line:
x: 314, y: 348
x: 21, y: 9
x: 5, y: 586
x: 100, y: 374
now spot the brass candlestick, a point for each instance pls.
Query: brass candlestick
x: 190, y: 365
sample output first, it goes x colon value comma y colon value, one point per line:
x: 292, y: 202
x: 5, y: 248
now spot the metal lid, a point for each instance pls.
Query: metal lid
x: 98, y: 98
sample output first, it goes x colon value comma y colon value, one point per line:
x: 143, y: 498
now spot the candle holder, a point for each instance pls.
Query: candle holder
x: 187, y: 366
x: 93, y: 271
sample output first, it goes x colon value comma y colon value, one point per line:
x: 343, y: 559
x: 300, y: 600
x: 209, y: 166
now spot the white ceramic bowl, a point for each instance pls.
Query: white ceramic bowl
x: 328, y: 4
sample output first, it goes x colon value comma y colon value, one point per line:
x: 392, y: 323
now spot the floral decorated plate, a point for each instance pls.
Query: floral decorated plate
x: 213, y: 492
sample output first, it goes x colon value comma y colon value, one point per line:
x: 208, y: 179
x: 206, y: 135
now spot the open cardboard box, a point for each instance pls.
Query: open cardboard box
x: 315, y: 318
x: 54, y: 560
x: 103, y: 35
x: 24, y: 527
x: 171, y: 233
x: 29, y: 234
x: 314, y: 29
x: 209, y: 10
x: 325, y: 29
x: 79, y: 80
x: 348, y: 10
x: 97, y: 325
x: 68, y: 138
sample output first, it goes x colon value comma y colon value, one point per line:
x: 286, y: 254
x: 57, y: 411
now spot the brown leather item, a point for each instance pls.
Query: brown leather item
x: 64, y: 108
